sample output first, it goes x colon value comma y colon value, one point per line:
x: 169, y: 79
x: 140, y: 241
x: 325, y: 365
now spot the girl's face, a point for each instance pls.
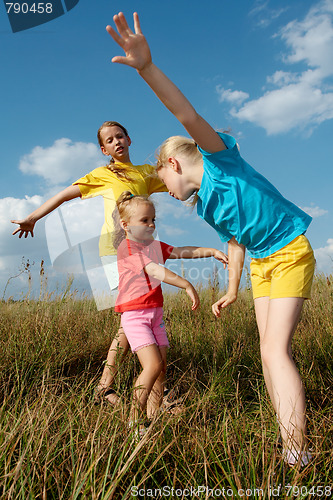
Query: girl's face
x: 115, y: 143
x: 174, y: 179
x: 141, y: 224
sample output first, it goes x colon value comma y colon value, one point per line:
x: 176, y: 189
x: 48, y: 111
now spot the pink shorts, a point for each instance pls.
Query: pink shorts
x: 144, y: 327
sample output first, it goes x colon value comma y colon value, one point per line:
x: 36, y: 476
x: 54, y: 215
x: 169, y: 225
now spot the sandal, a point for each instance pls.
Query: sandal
x: 101, y: 395
x: 294, y: 457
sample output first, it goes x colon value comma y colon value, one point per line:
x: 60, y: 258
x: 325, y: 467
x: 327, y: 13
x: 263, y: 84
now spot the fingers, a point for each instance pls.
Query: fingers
x: 216, y: 308
x: 222, y: 257
x: 22, y: 232
x: 118, y: 39
x: 123, y: 29
x: 120, y: 60
x: 195, y: 304
x: 137, y: 26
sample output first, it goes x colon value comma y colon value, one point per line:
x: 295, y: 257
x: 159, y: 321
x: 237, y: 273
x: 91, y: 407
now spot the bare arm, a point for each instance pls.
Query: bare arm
x: 163, y: 274
x: 236, y: 253
x: 27, y: 225
x: 138, y: 56
x: 189, y: 252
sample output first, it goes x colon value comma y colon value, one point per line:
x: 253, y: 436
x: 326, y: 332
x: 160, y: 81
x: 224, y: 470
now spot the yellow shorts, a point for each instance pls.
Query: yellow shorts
x: 286, y: 273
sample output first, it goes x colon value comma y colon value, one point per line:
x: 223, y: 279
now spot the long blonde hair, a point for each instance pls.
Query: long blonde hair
x: 125, y: 207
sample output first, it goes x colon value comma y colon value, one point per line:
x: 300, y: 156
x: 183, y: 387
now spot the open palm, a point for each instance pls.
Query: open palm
x: 134, y: 45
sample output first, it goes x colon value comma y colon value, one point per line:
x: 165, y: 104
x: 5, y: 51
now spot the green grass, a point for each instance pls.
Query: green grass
x: 56, y: 444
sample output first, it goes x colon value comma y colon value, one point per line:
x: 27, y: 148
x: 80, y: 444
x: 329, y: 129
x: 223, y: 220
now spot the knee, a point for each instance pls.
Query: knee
x: 273, y: 353
x: 267, y: 353
x: 156, y: 368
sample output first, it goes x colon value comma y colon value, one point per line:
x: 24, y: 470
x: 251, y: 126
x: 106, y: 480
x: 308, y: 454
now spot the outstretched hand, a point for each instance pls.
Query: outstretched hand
x: 134, y: 45
x: 223, y: 302
x: 192, y: 293
x: 25, y: 227
x: 221, y: 257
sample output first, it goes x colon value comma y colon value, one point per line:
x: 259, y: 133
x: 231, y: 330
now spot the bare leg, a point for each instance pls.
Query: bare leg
x: 277, y: 320
x: 152, y: 364
x: 156, y: 395
x: 117, y: 352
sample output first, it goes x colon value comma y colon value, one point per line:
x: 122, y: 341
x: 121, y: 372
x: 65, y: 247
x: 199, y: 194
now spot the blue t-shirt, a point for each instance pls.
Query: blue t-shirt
x: 238, y: 201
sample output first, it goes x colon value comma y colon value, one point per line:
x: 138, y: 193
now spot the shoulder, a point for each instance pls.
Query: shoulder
x: 230, y: 146
x: 99, y: 172
x: 145, y: 168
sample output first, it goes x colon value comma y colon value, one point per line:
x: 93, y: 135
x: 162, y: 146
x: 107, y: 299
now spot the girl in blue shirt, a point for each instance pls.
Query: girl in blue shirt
x: 247, y: 212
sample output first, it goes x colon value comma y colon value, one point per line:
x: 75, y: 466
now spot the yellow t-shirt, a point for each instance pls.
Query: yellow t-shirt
x: 102, y: 181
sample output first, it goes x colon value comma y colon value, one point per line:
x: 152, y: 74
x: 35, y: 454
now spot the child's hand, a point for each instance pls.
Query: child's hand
x: 192, y: 293
x: 25, y: 226
x: 135, y: 45
x: 224, y: 301
x: 221, y: 257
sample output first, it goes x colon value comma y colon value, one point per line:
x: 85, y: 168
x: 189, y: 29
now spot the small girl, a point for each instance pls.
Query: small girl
x: 140, y: 299
x: 247, y: 212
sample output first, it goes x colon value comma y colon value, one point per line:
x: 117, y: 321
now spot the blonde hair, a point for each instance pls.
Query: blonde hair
x: 118, y: 171
x: 177, y: 145
x: 125, y: 207
x: 182, y: 146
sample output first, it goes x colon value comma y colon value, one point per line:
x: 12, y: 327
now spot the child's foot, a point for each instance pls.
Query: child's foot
x: 171, y: 404
x: 106, y: 394
x: 294, y: 457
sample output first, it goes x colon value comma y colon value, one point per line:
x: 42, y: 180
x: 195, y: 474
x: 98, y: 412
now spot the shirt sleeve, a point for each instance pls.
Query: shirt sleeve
x: 166, y: 250
x: 92, y: 185
x: 229, y: 141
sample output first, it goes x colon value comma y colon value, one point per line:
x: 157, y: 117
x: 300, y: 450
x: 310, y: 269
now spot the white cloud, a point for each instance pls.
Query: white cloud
x: 314, y: 211
x: 324, y: 257
x: 16, y: 209
x: 311, y: 40
x: 168, y: 208
x: 62, y: 162
x: 300, y: 99
x: 83, y: 221
x: 232, y: 96
x: 281, y: 78
x: 171, y: 230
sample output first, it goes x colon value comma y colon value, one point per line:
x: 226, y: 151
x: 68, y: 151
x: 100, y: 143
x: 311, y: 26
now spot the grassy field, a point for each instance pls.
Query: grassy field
x: 56, y: 444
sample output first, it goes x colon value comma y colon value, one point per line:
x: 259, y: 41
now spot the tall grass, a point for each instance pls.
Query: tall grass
x: 56, y: 444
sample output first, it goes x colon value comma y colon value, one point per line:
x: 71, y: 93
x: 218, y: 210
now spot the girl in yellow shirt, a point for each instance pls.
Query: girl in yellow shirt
x: 110, y: 182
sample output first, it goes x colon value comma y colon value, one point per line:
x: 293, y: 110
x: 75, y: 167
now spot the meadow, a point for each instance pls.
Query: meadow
x: 55, y: 443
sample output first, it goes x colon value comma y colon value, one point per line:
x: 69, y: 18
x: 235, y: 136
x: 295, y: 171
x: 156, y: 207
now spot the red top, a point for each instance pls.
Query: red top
x: 138, y: 290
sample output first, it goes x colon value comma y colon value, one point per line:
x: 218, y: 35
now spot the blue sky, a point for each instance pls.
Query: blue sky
x: 263, y: 69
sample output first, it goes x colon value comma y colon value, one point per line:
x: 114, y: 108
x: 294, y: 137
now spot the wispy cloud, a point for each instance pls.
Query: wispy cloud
x: 295, y: 99
x: 232, y: 96
x: 62, y: 162
x: 265, y: 14
x: 315, y: 211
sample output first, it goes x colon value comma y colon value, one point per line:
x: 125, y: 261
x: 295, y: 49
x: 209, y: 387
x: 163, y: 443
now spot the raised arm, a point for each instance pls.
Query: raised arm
x: 163, y: 274
x: 189, y: 252
x: 27, y: 225
x: 236, y: 253
x: 138, y: 56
